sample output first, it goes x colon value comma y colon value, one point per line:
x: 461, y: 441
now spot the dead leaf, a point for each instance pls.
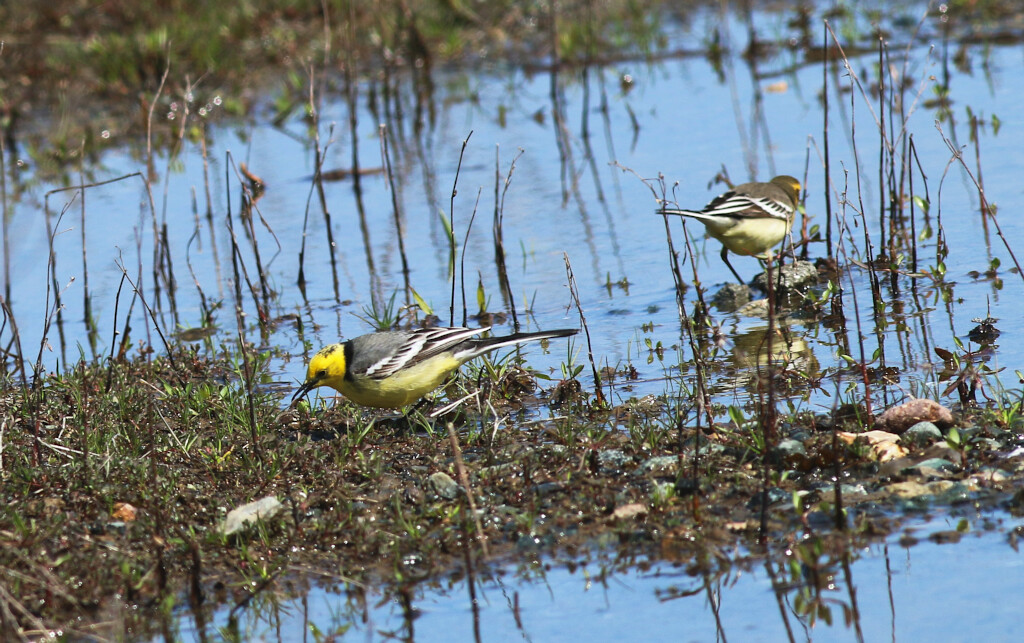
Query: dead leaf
x: 124, y: 512
x: 884, y: 445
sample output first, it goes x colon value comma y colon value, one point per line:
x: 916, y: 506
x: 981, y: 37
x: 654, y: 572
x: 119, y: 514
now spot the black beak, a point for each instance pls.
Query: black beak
x: 306, y: 387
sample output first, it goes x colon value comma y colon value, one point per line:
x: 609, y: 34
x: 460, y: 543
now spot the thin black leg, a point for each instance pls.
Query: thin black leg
x: 725, y: 258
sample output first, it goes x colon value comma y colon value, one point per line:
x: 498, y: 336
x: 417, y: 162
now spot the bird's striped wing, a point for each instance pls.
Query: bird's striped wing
x: 415, y: 346
x: 741, y: 206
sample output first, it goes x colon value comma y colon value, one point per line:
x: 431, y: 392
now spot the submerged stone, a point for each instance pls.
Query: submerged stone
x: 775, y: 495
x: 791, y: 451
x: 986, y: 444
x: 942, y: 491
x: 659, y: 466
x: 990, y: 474
x: 827, y: 491
x: 500, y: 470
x: 908, y: 490
x: 612, y: 460
x: 932, y: 468
x: 1017, y: 501
x: 947, y: 491
x: 821, y: 520
x: 118, y: 527
x: 686, y: 486
x: 730, y: 297
x: 548, y: 488
x: 793, y: 276
x: 442, y: 484
x: 921, y: 433
x: 707, y: 447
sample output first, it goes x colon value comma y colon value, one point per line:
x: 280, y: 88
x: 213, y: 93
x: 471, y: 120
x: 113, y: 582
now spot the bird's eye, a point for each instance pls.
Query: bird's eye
x: 322, y: 373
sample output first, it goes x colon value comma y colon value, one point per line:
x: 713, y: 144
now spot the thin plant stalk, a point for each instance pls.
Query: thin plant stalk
x: 768, y: 414
x: 14, y: 346
x: 399, y: 228
x: 467, y: 488
x: 247, y: 381
x: 318, y: 181
x: 462, y: 258
x: 352, y: 101
x: 958, y: 156
x: 451, y: 242
x: 151, y: 313
x: 499, y: 242
x: 113, y: 338
x: 825, y: 147
x: 3, y: 216
x: 598, y: 392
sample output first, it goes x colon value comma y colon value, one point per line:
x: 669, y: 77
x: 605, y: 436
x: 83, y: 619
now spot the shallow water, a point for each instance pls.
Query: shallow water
x: 907, y: 588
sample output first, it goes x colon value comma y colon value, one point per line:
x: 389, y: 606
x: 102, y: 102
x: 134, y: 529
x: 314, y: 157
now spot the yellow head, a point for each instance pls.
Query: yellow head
x: 790, y: 186
x: 327, y: 368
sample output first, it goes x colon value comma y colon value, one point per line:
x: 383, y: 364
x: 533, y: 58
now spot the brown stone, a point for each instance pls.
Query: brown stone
x: 900, y: 418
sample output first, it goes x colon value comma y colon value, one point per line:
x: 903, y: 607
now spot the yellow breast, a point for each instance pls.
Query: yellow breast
x: 402, y: 388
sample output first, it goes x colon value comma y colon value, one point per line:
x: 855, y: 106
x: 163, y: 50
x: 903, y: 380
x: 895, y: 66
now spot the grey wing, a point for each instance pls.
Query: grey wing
x: 381, y: 355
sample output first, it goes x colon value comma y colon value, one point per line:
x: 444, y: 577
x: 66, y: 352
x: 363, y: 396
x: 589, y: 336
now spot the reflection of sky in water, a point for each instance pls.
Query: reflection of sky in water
x: 556, y: 605
x: 690, y: 125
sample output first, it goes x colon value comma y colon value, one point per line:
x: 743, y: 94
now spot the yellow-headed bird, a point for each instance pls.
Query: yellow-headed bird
x: 395, y: 368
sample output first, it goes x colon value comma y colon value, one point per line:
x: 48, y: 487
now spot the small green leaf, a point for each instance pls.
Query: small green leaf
x: 953, y: 439
x: 424, y: 306
x: 481, y: 296
x: 921, y: 203
x: 447, y: 227
x: 736, y: 415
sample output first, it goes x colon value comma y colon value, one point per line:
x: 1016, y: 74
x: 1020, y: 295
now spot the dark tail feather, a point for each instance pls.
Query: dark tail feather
x: 679, y: 211
x: 476, y: 347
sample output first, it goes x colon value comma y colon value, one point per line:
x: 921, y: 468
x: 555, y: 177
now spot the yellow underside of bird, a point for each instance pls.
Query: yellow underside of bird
x: 749, y: 237
x: 404, y: 387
